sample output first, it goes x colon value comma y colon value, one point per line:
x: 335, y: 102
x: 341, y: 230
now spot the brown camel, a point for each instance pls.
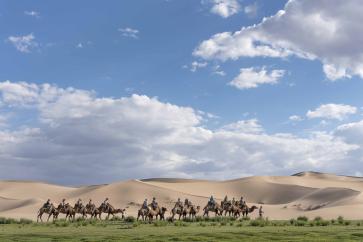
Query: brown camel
x: 51, y: 210
x: 157, y: 212
x: 217, y: 209
x: 110, y: 210
x: 191, y: 211
x: 81, y: 209
x: 177, y: 210
x: 246, y: 210
x: 143, y: 213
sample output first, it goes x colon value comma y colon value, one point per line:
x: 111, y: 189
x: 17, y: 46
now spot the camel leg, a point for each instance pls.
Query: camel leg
x: 49, y: 217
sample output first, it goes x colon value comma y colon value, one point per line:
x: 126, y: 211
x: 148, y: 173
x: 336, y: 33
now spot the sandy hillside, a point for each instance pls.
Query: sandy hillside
x: 283, y: 197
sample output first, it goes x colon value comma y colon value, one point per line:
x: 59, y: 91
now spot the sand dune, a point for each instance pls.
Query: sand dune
x: 283, y: 197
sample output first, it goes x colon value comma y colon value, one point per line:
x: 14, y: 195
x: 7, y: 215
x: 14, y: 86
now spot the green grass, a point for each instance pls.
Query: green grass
x: 223, y: 230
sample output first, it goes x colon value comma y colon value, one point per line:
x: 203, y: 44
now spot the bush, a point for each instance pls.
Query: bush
x: 303, y: 218
x: 318, y: 218
x: 202, y: 224
x: 340, y: 220
x: 332, y: 221
x: 346, y: 223
x: 25, y: 221
x: 160, y: 223
x: 259, y: 222
x: 300, y: 223
x: 130, y: 219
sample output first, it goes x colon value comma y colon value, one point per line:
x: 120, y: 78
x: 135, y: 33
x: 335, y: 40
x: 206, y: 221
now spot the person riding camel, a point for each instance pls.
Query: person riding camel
x: 63, y: 203
x: 90, y: 204
x: 225, y: 200
x: 233, y: 202
x: 78, y: 203
x: 154, y: 204
x: 105, y: 203
x: 186, y: 202
x: 178, y: 204
x: 211, y: 202
x: 144, y: 205
x: 241, y: 201
x: 47, y: 204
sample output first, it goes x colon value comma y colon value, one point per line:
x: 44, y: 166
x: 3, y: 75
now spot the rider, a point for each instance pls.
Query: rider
x: 178, y: 203
x: 233, y: 201
x: 105, y: 203
x: 47, y: 204
x: 241, y: 201
x: 144, y: 205
x: 90, y: 204
x: 78, y: 203
x: 211, y: 202
x: 186, y: 202
x: 154, y: 204
x: 63, y: 203
x: 225, y: 200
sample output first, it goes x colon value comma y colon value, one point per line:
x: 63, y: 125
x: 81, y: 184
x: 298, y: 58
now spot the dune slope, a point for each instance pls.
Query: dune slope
x: 282, y: 197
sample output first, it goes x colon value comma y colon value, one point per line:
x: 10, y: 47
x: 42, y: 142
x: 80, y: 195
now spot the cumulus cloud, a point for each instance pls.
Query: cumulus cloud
x: 327, y: 30
x: 224, y: 8
x: 332, y: 111
x: 129, y: 32
x: 295, y: 118
x: 23, y: 43
x: 253, y: 77
x: 197, y: 65
x: 75, y: 133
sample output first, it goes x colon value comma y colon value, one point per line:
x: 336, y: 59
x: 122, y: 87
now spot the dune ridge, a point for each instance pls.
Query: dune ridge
x: 283, y: 197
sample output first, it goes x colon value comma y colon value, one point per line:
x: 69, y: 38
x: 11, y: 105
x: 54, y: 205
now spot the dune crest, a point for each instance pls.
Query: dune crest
x: 283, y: 197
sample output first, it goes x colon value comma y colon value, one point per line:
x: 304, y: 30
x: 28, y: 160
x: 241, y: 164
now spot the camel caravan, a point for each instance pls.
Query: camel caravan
x: 150, y: 211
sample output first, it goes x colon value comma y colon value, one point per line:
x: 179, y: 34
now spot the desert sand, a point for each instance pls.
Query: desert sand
x: 282, y: 197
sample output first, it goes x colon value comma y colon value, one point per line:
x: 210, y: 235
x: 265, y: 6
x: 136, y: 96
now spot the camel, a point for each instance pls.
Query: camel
x: 217, y: 209
x: 246, y: 210
x: 157, y: 212
x: 51, y: 210
x: 143, y: 213
x: 232, y: 209
x: 68, y: 210
x: 110, y: 210
x: 176, y: 210
x: 81, y: 209
x: 191, y: 211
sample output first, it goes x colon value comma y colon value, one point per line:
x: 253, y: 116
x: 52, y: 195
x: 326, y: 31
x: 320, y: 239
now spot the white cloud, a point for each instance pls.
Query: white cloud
x: 225, y: 8
x: 253, y: 77
x: 218, y: 71
x: 244, y: 126
x: 328, y: 30
x: 251, y: 10
x: 129, y: 32
x: 23, y: 43
x: 197, y: 65
x: 332, y: 111
x: 295, y: 118
x: 77, y: 133
x: 32, y: 13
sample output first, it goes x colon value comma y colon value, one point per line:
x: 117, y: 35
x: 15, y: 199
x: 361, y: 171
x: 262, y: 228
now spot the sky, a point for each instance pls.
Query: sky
x: 96, y: 92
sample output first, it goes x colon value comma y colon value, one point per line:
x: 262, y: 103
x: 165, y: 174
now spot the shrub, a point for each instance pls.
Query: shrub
x: 303, y: 218
x: 223, y: 223
x: 25, y: 221
x: 130, y: 219
x: 318, y: 218
x: 324, y: 223
x: 259, y: 222
x: 332, y: 221
x: 300, y: 223
x: 202, y: 224
x: 346, y: 223
x: 340, y: 220
x: 160, y: 223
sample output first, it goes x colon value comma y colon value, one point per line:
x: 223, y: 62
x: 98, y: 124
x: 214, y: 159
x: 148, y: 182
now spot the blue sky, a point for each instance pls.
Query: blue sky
x: 295, y: 74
